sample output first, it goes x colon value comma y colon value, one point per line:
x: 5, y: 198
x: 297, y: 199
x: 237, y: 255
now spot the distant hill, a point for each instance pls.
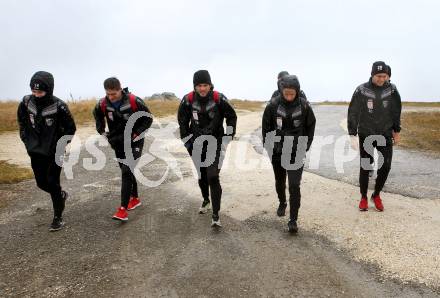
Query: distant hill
x: 163, y: 96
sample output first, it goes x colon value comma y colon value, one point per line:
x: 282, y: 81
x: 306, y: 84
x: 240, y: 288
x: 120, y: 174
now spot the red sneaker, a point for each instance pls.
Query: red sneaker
x: 363, y: 205
x: 121, y: 214
x: 133, y: 203
x: 377, y: 203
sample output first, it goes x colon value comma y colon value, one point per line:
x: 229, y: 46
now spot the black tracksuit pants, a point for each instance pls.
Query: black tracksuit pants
x: 47, y: 175
x: 294, y: 186
x: 128, y: 184
x: 382, y: 172
x: 209, y: 179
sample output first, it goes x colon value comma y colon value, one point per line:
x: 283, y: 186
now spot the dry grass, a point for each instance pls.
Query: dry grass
x: 333, y: 103
x: 421, y: 131
x: 10, y: 173
x: 162, y: 108
x: 248, y: 105
x: 8, y: 116
x: 82, y: 110
x: 421, y: 104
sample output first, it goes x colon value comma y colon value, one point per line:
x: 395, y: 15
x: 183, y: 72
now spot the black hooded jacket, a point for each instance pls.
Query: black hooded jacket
x: 374, y: 110
x: 288, y: 119
x: 117, y: 118
x: 43, y: 121
x: 210, y: 116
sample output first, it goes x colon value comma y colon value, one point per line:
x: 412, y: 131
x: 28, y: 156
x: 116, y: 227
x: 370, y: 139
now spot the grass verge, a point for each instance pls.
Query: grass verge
x: 421, y: 131
x: 10, y: 173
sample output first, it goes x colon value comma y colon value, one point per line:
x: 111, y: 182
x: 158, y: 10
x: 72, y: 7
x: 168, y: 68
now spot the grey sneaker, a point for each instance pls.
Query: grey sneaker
x: 57, y: 224
x: 216, y: 221
x: 206, y: 205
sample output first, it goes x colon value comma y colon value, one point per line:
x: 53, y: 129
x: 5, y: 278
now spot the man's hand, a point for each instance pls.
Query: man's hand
x: 354, y: 142
x: 396, y: 137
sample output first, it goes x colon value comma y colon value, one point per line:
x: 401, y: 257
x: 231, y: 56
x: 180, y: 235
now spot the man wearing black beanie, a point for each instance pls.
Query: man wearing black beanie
x: 374, y: 115
x: 43, y: 119
x: 201, y: 115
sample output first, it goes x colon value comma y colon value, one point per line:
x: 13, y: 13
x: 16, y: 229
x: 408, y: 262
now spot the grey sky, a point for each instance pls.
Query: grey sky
x: 155, y: 46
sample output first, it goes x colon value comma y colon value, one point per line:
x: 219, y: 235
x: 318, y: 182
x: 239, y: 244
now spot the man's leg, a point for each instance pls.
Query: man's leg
x: 40, y: 167
x: 126, y: 180
x: 126, y: 184
x: 364, y: 174
x: 203, y: 180
x: 280, y: 181
x: 213, y: 175
x: 203, y: 184
x: 137, y: 153
x: 295, y: 177
x: 382, y: 173
x: 58, y: 199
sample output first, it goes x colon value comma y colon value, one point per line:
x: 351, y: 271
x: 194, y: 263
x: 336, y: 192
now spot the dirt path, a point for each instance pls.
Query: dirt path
x: 168, y: 250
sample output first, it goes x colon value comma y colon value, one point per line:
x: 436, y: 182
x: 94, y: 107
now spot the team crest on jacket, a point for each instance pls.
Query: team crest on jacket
x: 385, y: 104
x: 279, y: 122
x: 49, y: 121
x: 195, y: 116
x: 370, y: 105
x: 110, y: 116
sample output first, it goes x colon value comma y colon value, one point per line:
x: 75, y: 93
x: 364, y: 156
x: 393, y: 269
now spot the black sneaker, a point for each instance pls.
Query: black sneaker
x: 282, y: 209
x: 293, y: 228
x: 206, y: 205
x: 216, y: 221
x: 57, y: 224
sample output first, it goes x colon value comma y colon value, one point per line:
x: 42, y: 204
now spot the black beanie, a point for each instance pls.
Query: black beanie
x: 380, y: 67
x: 282, y: 74
x: 201, y: 77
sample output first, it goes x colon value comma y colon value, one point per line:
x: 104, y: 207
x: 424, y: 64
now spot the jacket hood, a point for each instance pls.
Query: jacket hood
x: 46, y: 79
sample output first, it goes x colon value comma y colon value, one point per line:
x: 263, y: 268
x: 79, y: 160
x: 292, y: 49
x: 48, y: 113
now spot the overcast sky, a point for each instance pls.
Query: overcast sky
x: 155, y: 46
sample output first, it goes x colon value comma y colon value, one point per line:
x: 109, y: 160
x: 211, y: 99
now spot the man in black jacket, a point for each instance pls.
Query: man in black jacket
x: 116, y: 109
x: 43, y: 119
x: 281, y: 75
x: 202, y: 113
x: 289, y: 118
x: 374, y: 112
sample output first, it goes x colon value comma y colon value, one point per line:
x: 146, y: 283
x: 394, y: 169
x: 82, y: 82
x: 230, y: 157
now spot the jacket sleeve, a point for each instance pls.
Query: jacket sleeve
x: 22, y: 119
x: 67, y: 122
x: 310, y: 124
x: 143, y: 123
x: 354, y: 113
x: 397, y: 110
x: 184, y: 119
x: 99, y: 118
x: 266, y: 124
x: 229, y: 114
